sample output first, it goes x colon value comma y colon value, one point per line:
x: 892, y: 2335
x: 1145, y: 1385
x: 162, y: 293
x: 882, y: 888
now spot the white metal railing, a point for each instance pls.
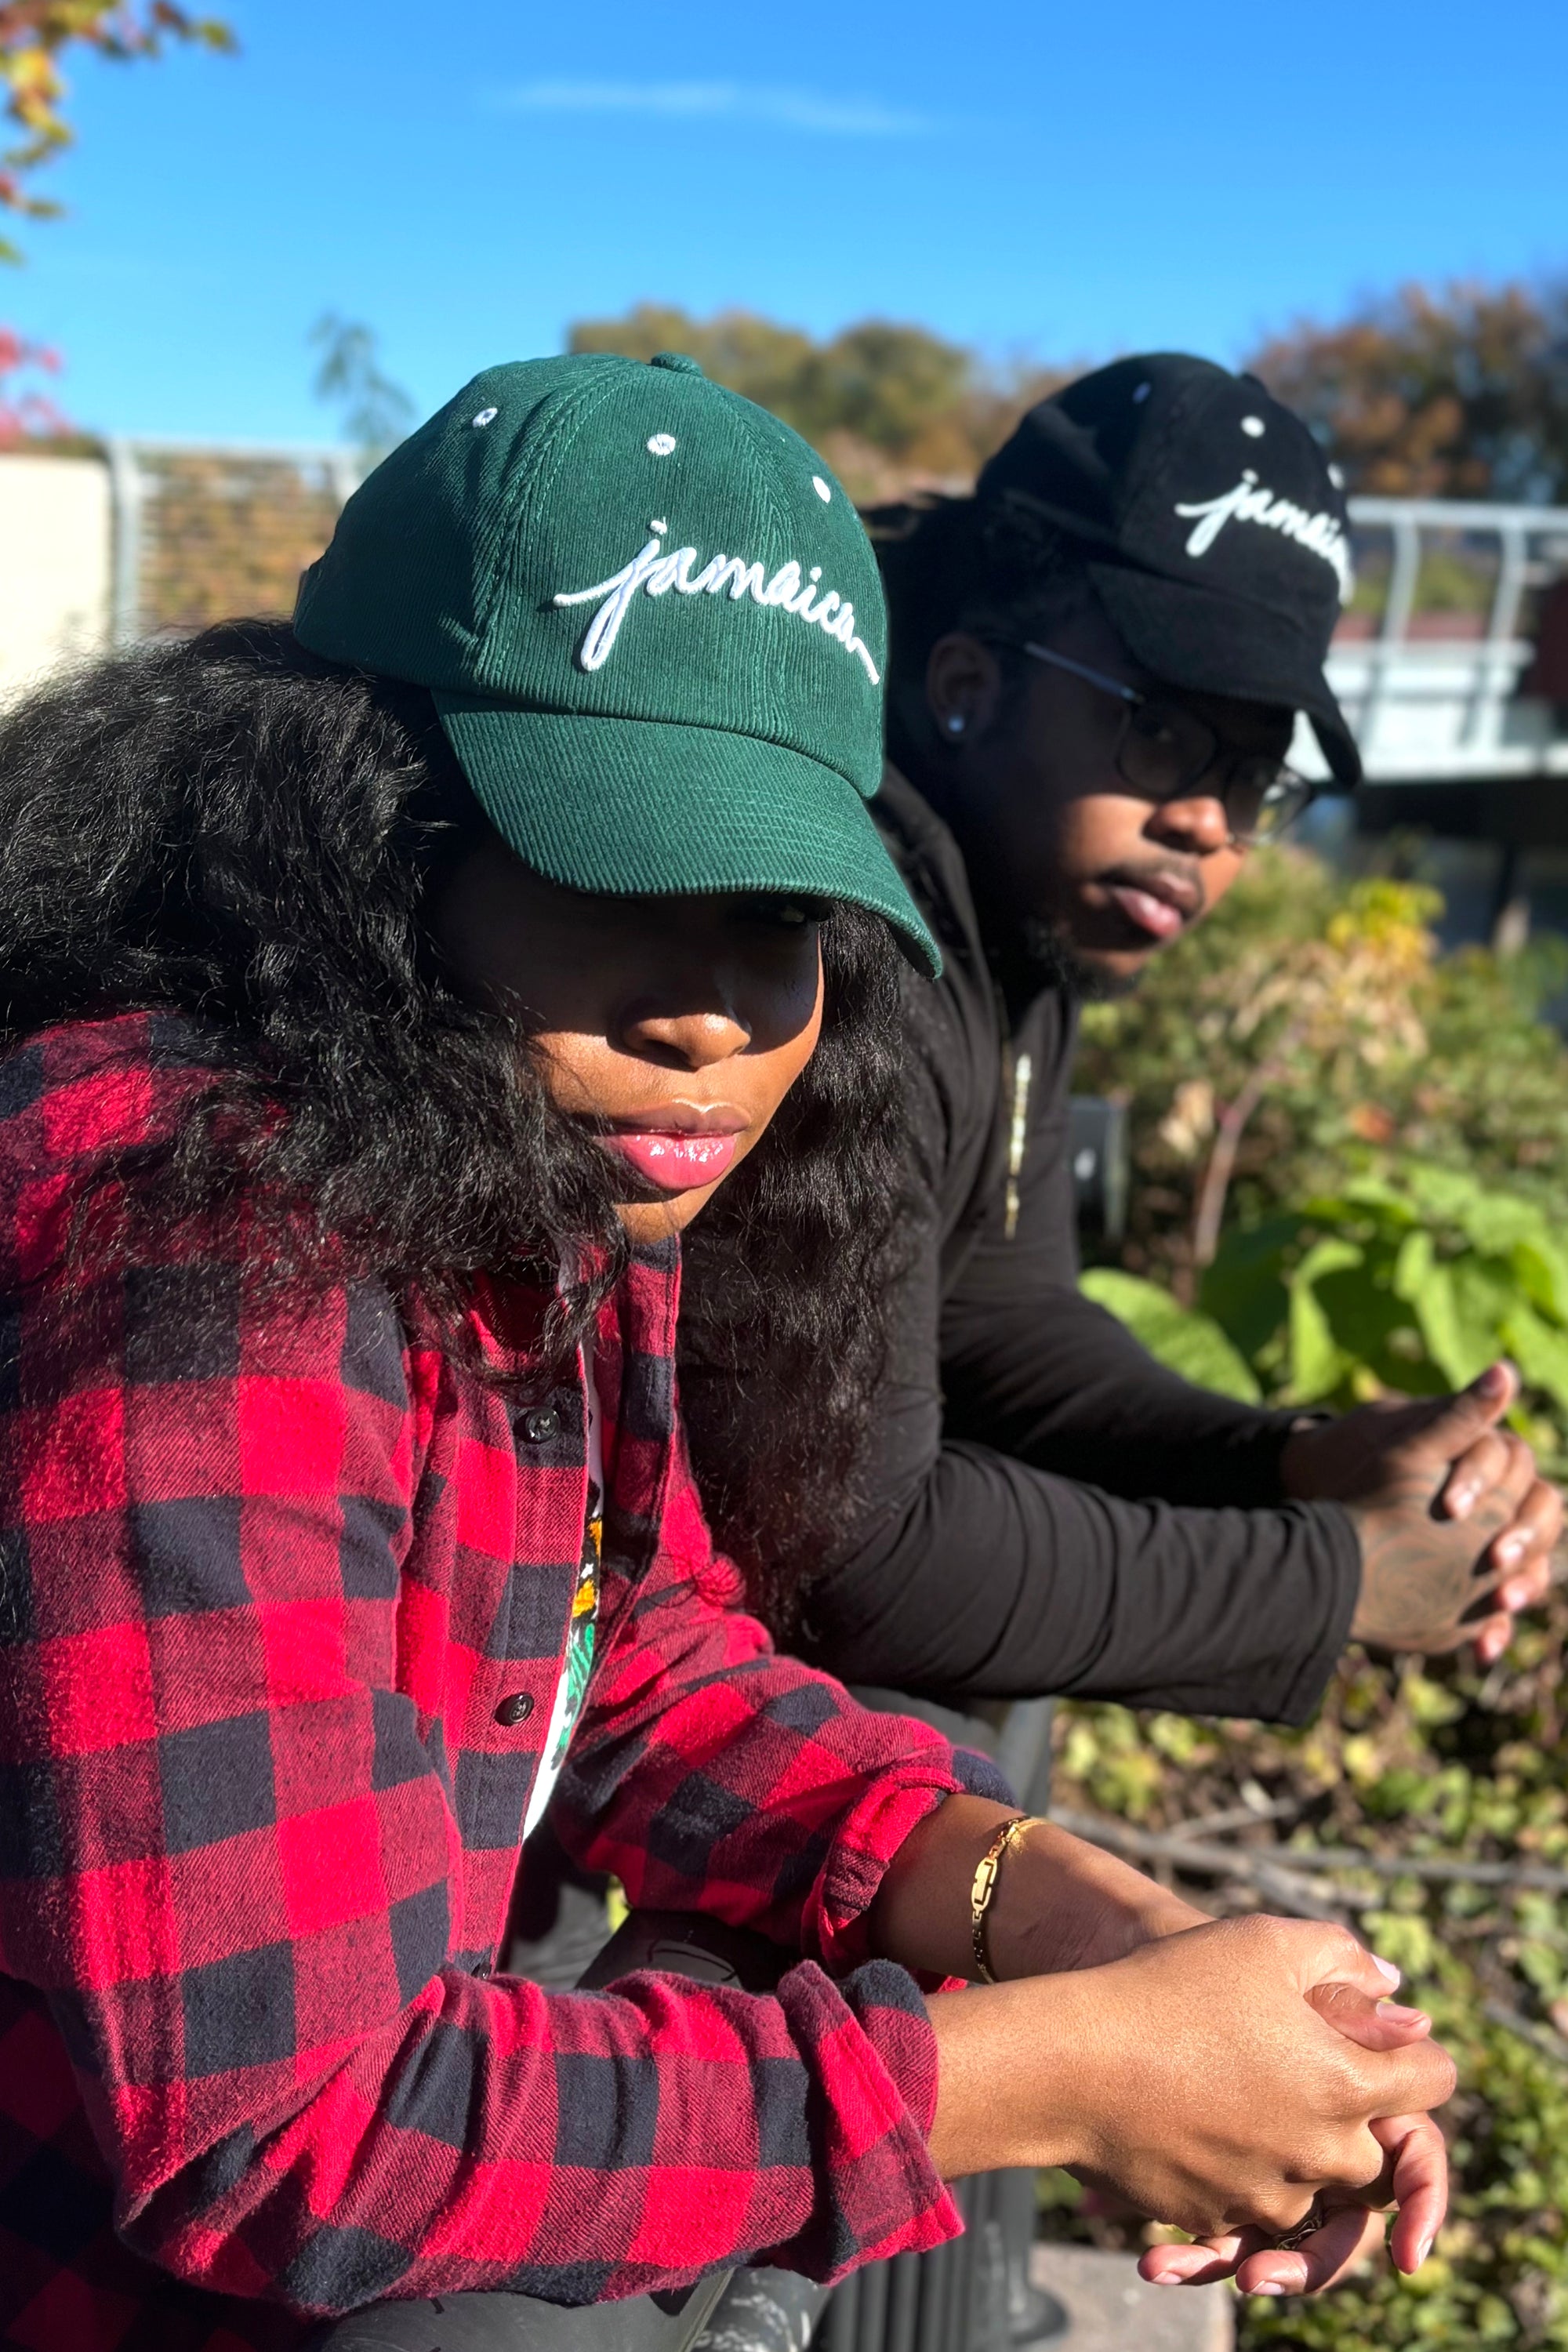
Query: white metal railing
x: 1427, y: 703
x: 1433, y: 705
x: 134, y: 485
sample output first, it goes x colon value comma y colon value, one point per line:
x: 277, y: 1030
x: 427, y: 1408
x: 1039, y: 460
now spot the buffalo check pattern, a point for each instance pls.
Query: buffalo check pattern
x: 284, y: 1595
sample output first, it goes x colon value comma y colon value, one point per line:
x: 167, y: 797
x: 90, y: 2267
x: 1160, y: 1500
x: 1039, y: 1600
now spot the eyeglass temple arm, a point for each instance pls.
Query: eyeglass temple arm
x: 1079, y: 669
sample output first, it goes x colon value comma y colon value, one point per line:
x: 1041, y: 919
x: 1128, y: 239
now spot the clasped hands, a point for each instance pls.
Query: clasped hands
x: 1249, y: 2079
x: 1235, y: 2078
x: 1456, y: 1530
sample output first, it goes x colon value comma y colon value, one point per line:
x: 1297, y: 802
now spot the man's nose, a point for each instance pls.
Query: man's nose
x: 1198, y: 821
x: 683, y: 1040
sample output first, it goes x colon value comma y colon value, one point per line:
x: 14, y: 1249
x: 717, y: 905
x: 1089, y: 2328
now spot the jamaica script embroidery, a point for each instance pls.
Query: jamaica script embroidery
x: 657, y: 573
x: 1249, y: 502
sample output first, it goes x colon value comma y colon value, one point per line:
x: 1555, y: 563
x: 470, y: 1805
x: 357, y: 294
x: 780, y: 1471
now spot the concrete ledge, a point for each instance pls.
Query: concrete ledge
x: 1113, y: 2309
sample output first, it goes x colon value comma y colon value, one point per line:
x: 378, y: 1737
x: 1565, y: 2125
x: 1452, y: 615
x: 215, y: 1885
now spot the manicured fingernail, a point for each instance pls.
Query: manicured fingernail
x: 1165, y: 2278
x: 1400, y: 2014
x: 1270, y: 2286
x: 1510, y: 1548
x: 1387, y: 1968
x: 1461, y: 1499
x: 1515, y: 1596
x: 1421, y: 2250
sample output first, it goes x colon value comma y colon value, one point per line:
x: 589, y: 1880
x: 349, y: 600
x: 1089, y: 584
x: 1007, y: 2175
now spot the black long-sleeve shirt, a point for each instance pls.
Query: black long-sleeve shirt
x: 1045, y: 1508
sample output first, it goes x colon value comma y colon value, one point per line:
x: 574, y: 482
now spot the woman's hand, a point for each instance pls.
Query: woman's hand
x: 1349, y: 2226
x: 1414, y: 2180
x: 1199, y: 2080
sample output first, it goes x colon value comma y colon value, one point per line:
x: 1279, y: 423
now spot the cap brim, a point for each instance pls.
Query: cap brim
x: 634, y: 807
x: 1213, y: 644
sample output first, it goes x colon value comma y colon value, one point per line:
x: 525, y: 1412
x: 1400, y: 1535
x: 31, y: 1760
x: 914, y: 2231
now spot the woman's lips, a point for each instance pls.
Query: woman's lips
x: 671, y: 1159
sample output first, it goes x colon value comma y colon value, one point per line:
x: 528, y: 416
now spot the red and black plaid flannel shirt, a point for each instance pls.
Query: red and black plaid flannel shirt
x: 283, y: 1601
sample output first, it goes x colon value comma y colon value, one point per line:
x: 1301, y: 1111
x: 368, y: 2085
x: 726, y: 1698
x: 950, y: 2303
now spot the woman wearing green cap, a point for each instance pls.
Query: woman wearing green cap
x: 380, y: 998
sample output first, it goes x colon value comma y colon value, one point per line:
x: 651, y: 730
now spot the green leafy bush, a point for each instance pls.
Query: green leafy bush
x: 1348, y: 1161
x: 1308, y: 1032
x: 1192, y: 1344
x: 1416, y: 1762
x: 1412, y: 1281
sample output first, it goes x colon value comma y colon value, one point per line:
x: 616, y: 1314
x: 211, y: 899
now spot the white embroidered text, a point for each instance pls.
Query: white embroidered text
x: 1250, y: 502
x: 656, y: 573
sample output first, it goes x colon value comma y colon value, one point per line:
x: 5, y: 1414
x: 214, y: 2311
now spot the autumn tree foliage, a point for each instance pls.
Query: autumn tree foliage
x: 888, y: 404
x: 26, y: 411
x: 35, y: 37
x: 1459, y: 391
x: 1456, y: 391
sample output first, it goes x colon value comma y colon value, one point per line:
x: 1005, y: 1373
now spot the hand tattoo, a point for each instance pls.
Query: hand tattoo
x: 1421, y: 1575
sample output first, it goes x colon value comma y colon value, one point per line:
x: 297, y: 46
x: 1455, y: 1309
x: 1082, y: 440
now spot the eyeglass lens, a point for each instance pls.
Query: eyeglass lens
x: 1166, y: 752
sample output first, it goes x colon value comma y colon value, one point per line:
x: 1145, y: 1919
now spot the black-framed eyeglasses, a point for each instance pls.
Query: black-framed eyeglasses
x: 1164, y: 751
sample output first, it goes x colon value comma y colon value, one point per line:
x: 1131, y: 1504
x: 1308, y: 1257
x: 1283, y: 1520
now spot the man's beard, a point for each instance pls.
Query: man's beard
x: 1052, y: 964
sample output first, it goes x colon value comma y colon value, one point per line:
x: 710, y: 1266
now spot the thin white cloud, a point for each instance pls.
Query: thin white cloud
x: 791, y: 109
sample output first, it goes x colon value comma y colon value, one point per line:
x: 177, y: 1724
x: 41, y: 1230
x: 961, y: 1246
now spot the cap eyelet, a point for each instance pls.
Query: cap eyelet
x: 1254, y: 426
x: 820, y: 487
x: 1142, y: 390
x: 486, y: 416
x: 660, y: 444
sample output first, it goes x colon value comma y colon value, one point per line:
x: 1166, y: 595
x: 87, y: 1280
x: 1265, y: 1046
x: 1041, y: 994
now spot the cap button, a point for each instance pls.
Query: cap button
x: 678, y: 362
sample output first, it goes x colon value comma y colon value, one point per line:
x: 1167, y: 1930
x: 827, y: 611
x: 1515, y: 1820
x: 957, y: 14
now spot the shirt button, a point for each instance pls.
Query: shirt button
x: 515, y: 1709
x: 540, y: 1425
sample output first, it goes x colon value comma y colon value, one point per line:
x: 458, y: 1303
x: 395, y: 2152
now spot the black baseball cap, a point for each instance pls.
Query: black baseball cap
x: 1218, y: 538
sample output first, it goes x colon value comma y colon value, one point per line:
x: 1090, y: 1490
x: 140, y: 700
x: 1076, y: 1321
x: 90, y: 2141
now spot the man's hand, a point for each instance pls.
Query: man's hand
x: 1449, y: 1511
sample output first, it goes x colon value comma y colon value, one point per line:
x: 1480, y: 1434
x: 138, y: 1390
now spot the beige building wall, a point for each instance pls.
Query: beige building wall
x: 55, y: 538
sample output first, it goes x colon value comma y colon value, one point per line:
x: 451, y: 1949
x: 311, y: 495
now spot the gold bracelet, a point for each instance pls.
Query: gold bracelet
x: 985, y: 1886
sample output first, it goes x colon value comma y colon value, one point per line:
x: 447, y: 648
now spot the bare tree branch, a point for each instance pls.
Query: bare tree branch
x: 1289, y: 1861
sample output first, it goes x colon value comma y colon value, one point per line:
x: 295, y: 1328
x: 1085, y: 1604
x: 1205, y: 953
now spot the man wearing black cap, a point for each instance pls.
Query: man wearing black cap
x: 1096, y: 665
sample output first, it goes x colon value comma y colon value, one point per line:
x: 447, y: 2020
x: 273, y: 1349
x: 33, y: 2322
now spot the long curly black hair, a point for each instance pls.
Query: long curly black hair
x: 238, y: 833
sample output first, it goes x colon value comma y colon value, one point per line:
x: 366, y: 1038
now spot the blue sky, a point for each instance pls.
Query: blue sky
x: 1038, y: 178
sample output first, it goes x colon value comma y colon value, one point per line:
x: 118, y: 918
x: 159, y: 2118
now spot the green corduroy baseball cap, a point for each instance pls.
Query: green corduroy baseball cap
x: 651, y: 623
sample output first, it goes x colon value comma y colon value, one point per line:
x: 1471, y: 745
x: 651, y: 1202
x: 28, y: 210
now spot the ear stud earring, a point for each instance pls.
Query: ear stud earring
x: 955, y: 724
